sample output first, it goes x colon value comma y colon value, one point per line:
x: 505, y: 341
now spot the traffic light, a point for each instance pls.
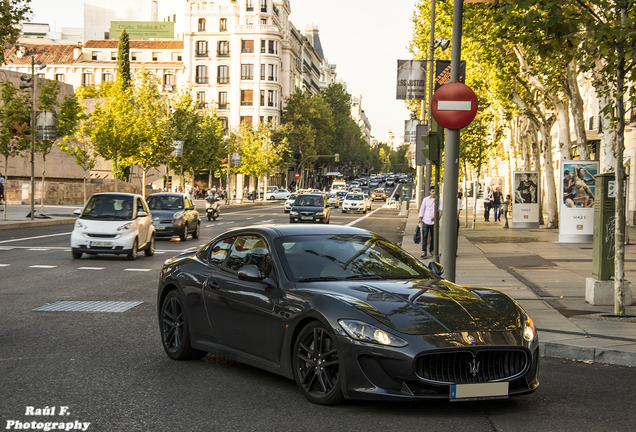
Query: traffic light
x: 433, y: 141
x: 26, y: 81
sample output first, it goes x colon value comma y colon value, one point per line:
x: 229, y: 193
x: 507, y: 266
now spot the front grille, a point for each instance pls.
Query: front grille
x: 463, y: 367
x: 102, y: 235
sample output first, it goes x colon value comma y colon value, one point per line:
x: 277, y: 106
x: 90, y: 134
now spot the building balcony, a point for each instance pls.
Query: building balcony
x: 224, y: 106
x: 223, y: 80
x: 169, y: 87
x: 201, y: 80
x: 222, y: 53
x: 201, y: 53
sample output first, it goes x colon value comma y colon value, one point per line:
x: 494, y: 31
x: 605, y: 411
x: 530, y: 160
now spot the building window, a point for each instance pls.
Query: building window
x: 224, y: 48
x: 223, y: 121
x: 96, y: 55
x: 247, y: 46
x: 247, y: 71
x: 247, y: 97
x: 106, y: 77
x: 201, y: 100
x: 202, y: 49
x: 263, y: 5
x: 135, y: 56
x: 263, y: 42
x: 177, y: 57
x: 262, y: 72
x: 249, y: 21
x: 113, y: 55
x: 262, y: 97
x: 157, y: 56
x: 222, y: 100
x: 168, y: 82
x: 87, y: 79
x: 270, y: 75
x: 223, y: 24
x: 59, y: 77
x: 263, y: 21
x: 270, y: 98
x: 272, y: 49
x: 249, y: 5
x: 247, y: 120
x: 201, y: 24
x: 201, y: 74
x: 270, y: 120
x: 223, y: 75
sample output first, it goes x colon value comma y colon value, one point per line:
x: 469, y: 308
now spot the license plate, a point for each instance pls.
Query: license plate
x: 100, y: 244
x: 160, y: 227
x: 479, y: 391
x: 307, y: 218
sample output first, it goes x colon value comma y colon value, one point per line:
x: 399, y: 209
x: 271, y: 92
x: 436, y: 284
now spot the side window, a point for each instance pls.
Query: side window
x: 140, y: 206
x: 219, y: 251
x: 250, y: 250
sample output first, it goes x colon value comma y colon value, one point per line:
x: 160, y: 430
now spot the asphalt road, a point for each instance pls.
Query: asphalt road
x: 109, y: 369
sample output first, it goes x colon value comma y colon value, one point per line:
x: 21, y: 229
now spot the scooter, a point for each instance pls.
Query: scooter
x: 213, y: 209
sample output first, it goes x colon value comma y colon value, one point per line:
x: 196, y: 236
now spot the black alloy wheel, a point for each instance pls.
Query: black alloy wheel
x: 184, y: 234
x: 175, y: 335
x: 150, y: 250
x: 317, y: 365
x: 197, y: 231
x: 132, y: 255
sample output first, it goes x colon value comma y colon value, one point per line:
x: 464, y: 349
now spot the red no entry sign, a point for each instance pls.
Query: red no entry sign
x: 454, y: 105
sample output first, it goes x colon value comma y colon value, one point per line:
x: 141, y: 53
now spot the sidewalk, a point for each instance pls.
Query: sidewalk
x: 547, y: 279
x: 63, y: 214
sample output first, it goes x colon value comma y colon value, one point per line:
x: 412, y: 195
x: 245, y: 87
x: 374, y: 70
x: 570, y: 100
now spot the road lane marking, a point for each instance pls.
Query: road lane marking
x: 43, y: 266
x: 91, y: 268
x: 5, y: 265
x: 137, y: 269
x: 36, y: 237
x: 265, y: 222
x: 38, y: 249
x: 362, y: 218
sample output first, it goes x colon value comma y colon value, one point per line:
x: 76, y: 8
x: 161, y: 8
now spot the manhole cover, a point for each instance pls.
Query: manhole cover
x: 87, y: 306
x: 504, y: 239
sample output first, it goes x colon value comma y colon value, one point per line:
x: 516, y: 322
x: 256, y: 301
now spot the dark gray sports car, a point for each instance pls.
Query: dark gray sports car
x: 346, y: 314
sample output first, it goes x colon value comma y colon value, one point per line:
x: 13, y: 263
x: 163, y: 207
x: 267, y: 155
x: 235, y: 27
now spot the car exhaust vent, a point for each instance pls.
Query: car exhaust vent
x: 464, y: 367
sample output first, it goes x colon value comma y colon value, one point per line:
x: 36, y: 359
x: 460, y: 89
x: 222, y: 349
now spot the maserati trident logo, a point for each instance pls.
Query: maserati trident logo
x: 473, y: 367
x: 471, y: 339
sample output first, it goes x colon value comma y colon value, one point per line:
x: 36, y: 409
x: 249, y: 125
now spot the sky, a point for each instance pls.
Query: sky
x: 364, y: 38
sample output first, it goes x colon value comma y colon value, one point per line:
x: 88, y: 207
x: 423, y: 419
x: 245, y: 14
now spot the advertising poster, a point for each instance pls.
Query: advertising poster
x: 411, y: 80
x: 46, y: 125
x: 525, y: 207
x: 576, y: 199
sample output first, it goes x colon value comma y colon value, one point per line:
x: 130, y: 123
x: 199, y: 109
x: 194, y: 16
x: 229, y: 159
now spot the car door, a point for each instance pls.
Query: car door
x: 240, y: 312
x: 190, y: 213
x: 143, y: 222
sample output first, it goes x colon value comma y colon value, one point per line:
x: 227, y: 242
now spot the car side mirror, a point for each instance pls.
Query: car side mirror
x: 142, y: 213
x: 77, y: 212
x: 190, y: 208
x: 436, y: 268
x: 249, y: 273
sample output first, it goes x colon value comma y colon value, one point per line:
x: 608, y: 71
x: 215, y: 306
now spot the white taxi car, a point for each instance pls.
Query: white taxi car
x: 355, y: 201
x: 113, y: 223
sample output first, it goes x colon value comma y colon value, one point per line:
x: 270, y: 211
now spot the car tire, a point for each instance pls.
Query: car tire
x: 344, y: 211
x: 272, y: 198
x: 175, y: 329
x: 316, y: 355
x: 132, y: 255
x: 76, y: 255
x: 197, y: 231
x: 209, y: 216
x: 150, y: 250
x: 184, y: 234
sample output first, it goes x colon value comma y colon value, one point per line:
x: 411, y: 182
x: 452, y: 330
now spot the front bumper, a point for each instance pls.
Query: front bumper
x: 103, y: 243
x: 169, y: 229
x: 349, y: 207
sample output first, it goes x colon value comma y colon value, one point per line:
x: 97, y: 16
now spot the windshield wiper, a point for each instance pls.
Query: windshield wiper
x: 319, y: 278
x: 365, y: 277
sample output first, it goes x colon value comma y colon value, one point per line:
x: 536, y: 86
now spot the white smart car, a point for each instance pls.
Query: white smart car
x: 113, y: 223
x: 278, y: 194
x: 290, y: 202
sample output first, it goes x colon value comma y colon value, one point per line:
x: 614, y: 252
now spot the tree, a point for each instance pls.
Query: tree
x: 12, y: 13
x: 15, y: 132
x: 47, y: 101
x: 123, y: 60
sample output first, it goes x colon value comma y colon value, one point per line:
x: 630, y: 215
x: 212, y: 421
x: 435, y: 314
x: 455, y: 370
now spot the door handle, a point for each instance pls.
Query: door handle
x: 213, y: 284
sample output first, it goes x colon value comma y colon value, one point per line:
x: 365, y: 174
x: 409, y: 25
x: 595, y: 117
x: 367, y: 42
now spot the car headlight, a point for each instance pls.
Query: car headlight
x: 126, y: 227
x: 293, y: 213
x: 177, y: 215
x: 529, y: 332
x: 320, y: 214
x: 79, y: 224
x: 368, y: 333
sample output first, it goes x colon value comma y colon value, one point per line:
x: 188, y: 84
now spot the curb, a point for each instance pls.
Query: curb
x: 14, y: 225
x: 579, y: 353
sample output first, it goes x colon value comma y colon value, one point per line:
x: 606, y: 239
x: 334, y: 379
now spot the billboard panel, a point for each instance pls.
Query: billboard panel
x: 411, y: 79
x: 46, y: 125
x: 525, y: 207
x: 143, y: 29
x: 443, y: 72
x: 577, y: 195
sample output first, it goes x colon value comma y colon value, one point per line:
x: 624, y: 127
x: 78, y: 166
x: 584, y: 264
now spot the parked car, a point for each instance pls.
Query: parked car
x: 278, y: 194
x: 379, y: 194
x: 310, y: 208
x: 346, y: 314
x: 332, y: 200
x: 290, y: 202
x: 113, y: 223
x: 174, y: 214
x: 355, y: 201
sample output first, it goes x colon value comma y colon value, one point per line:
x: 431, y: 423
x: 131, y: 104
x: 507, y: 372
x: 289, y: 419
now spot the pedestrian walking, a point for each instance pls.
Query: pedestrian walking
x: 504, y: 208
x: 427, y: 219
x: 2, y: 199
x: 497, y: 198
x: 487, y: 204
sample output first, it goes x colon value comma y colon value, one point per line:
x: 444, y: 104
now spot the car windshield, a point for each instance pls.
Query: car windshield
x: 109, y: 207
x: 310, y: 201
x: 355, y: 197
x: 165, y: 202
x: 346, y: 256
x: 292, y: 196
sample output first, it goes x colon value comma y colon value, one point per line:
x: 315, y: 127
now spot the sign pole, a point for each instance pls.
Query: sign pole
x: 451, y: 161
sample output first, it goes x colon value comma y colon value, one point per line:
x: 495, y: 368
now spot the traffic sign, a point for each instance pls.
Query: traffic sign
x: 297, y: 175
x: 454, y: 105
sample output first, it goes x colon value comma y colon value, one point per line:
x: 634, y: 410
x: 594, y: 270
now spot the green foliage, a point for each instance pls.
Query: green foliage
x: 262, y: 148
x: 123, y: 60
x: 12, y: 13
x: 14, y: 121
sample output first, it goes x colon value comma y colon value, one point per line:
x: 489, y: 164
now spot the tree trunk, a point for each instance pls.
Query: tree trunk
x: 43, y: 185
x: 85, y: 171
x: 143, y: 181
x: 563, y: 119
x: 578, y: 112
x: 546, y: 151
x: 6, y: 186
x: 115, y: 176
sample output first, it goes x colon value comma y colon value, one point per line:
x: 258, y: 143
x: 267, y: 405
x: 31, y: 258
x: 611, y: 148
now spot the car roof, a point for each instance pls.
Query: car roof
x: 275, y: 231
x: 122, y: 194
x: 169, y: 194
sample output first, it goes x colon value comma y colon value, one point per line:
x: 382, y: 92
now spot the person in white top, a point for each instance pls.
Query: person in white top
x: 426, y: 218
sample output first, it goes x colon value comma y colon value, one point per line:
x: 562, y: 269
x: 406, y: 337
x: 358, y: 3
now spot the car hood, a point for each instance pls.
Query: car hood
x: 313, y: 209
x: 425, y: 306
